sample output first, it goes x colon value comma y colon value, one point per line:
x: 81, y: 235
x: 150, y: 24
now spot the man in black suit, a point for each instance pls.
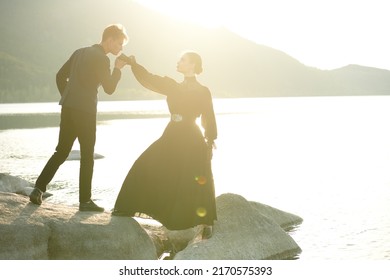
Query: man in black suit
x: 78, y: 81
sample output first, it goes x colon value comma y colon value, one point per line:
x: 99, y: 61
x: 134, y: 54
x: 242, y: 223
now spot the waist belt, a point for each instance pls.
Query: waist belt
x: 176, y: 117
x: 179, y: 118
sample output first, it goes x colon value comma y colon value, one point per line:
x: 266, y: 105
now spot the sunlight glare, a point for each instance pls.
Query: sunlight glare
x: 201, y: 212
x: 201, y: 180
x: 201, y: 12
x: 326, y: 34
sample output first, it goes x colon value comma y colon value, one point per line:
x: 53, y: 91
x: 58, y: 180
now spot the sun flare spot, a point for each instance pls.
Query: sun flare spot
x: 201, y: 180
x: 201, y: 212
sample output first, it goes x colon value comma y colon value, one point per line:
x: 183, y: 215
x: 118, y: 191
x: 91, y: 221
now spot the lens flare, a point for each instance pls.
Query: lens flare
x: 201, y: 212
x: 201, y: 180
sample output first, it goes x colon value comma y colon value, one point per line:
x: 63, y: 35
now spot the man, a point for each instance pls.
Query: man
x: 78, y: 81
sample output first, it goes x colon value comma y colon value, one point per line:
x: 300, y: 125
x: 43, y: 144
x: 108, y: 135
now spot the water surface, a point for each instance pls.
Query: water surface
x: 325, y: 159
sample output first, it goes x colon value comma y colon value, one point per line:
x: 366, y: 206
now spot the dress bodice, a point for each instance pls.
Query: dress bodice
x: 190, y: 99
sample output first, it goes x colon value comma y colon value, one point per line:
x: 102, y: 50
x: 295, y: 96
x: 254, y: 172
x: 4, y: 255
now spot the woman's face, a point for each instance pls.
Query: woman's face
x: 185, y: 66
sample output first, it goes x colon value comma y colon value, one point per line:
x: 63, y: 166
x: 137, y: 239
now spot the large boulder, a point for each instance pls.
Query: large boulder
x: 243, y: 232
x: 284, y: 219
x: 252, y: 230
x: 49, y: 231
x: 178, y: 240
x: 12, y: 184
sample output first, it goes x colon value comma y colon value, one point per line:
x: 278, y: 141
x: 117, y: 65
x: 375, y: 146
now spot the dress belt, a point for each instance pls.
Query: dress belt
x: 179, y: 118
x: 176, y: 117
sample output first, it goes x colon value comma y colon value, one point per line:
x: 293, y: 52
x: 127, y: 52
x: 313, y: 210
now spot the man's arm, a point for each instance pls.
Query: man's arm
x: 63, y: 76
x: 110, y: 80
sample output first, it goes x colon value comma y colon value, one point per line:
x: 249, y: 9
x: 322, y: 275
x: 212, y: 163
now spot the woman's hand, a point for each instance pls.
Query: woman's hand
x: 132, y: 60
x: 127, y: 59
x: 210, y: 146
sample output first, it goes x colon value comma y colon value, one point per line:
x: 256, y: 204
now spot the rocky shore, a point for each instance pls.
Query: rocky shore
x: 244, y: 231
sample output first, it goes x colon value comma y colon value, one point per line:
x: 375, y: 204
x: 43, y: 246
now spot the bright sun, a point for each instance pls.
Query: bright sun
x: 322, y: 33
x: 190, y: 11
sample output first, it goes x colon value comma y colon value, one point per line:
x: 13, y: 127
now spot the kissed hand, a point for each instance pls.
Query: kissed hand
x: 119, y: 63
x: 128, y: 59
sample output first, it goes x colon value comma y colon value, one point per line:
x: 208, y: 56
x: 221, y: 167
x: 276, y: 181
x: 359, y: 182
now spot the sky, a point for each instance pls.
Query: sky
x: 325, y: 34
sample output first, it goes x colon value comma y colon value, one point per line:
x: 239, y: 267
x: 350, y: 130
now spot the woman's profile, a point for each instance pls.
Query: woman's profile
x: 172, y: 180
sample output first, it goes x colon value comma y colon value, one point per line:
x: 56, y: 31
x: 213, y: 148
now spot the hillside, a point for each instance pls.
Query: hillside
x: 38, y: 36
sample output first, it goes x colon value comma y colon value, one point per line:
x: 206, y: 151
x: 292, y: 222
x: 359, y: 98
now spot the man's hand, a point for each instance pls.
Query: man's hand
x: 119, y: 63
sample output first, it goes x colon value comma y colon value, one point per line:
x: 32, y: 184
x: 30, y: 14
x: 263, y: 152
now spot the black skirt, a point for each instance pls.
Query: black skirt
x: 172, y: 180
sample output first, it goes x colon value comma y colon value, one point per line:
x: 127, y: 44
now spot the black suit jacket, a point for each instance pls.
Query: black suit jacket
x: 79, y: 78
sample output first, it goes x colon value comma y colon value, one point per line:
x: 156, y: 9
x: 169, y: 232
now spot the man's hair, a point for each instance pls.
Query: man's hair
x: 115, y: 31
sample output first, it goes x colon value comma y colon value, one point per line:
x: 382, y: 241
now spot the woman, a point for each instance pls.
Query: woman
x: 172, y: 180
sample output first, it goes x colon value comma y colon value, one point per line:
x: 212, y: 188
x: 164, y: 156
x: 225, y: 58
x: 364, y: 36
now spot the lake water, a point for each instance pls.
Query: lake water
x: 325, y: 159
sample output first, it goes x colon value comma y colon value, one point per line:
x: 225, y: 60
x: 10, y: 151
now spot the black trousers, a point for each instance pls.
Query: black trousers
x: 74, y: 124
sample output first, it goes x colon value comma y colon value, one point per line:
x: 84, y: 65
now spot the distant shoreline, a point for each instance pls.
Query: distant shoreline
x: 25, y: 121
x: 47, y: 114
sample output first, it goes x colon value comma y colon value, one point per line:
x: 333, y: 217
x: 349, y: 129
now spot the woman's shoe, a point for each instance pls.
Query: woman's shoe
x: 207, y: 232
x: 120, y: 213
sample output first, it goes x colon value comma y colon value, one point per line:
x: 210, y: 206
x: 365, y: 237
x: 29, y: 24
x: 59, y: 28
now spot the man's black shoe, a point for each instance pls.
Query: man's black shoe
x: 36, y: 196
x: 90, y: 206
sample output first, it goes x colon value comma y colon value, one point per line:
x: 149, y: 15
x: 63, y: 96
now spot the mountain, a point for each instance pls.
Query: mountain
x: 39, y: 36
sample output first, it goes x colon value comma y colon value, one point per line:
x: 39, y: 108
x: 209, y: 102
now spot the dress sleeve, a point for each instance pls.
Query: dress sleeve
x: 162, y: 85
x: 208, y: 118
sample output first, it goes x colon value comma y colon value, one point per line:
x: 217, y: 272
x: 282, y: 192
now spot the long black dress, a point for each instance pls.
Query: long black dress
x: 172, y: 180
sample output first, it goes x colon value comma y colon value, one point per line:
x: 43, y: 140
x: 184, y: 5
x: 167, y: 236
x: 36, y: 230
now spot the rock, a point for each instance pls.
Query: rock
x: 283, y: 219
x: 178, y: 240
x: 75, y: 155
x: 242, y: 232
x: 62, y: 232
x: 156, y: 233
x: 12, y: 184
x: 167, y: 242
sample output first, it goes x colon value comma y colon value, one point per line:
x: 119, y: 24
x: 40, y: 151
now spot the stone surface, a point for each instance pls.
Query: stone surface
x: 13, y: 184
x: 62, y: 232
x: 179, y: 239
x: 242, y: 232
x: 284, y: 219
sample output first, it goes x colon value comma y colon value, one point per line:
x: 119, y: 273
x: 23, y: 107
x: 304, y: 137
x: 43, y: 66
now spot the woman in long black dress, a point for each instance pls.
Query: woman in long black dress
x: 172, y: 180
